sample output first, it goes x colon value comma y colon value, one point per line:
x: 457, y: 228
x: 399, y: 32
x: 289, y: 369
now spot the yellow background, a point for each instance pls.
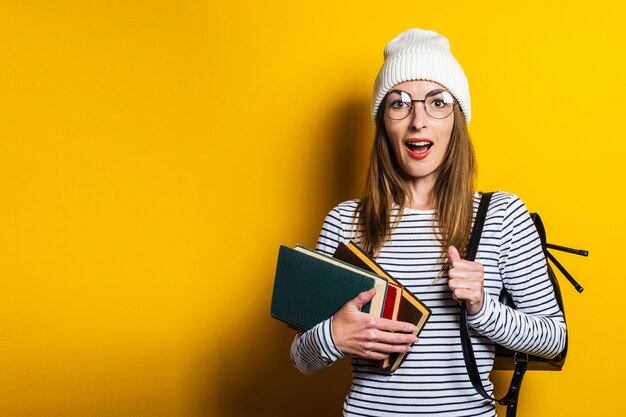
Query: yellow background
x: 154, y: 154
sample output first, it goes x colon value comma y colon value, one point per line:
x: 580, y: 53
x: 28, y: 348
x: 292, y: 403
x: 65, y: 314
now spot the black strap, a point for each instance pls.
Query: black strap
x: 477, y: 230
x: 521, y: 364
x: 466, y: 342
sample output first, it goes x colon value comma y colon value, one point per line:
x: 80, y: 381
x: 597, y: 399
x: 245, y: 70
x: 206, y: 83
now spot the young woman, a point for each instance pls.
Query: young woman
x: 415, y: 218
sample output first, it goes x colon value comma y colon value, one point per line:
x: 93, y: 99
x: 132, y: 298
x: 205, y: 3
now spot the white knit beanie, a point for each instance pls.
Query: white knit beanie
x: 419, y: 54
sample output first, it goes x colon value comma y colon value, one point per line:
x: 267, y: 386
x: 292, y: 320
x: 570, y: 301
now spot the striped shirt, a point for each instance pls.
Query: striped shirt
x: 433, y: 380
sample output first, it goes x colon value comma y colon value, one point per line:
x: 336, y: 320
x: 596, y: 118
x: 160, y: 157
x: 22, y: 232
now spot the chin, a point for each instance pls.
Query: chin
x: 418, y: 173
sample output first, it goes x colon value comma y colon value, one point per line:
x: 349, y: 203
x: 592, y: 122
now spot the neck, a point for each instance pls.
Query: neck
x: 421, y: 195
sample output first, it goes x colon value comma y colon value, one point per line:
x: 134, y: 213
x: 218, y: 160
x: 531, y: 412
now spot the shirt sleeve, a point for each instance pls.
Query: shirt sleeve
x: 315, y: 350
x: 537, y: 326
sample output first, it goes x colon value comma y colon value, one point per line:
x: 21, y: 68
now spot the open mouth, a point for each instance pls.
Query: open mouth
x: 418, y: 147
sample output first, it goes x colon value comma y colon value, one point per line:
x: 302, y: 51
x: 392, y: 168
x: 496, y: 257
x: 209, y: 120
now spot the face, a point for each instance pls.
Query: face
x: 419, y: 141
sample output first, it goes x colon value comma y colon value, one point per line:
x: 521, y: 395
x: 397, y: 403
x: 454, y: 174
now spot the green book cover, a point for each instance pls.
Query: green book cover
x: 310, y: 287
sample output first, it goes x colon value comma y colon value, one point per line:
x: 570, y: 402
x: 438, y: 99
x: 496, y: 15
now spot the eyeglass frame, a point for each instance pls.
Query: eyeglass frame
x: 423, y: 101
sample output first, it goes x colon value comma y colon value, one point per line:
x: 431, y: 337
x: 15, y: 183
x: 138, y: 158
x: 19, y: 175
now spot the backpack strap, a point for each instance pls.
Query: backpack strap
x: 521, y: 364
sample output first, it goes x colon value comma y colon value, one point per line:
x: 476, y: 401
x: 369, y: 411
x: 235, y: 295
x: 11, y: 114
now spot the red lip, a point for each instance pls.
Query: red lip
x: 418, y: 154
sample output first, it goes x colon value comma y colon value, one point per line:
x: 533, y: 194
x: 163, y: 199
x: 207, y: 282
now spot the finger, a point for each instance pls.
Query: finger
x: 395, y: 339
x: 363, y: 298
x: 465, y: 284
x: 453, y: 254
x: 468, y: 265
x: 373, y: 355
x: 376, y: 350
x: 472, y: 296
x: 395, y: 326
x: 466, y: 274
x: 387, y: 348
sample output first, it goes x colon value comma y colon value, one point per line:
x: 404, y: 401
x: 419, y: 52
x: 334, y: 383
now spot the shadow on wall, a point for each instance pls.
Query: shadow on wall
x: 259, y: 380
x: 337, y: 173
x: 352, y: 141
x: 262, y: 382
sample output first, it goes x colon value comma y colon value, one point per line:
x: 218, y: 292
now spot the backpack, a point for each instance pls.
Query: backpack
x: 506, y: 359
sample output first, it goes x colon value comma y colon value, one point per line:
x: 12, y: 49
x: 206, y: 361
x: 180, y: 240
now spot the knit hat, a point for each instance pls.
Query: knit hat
x: 419, y: 54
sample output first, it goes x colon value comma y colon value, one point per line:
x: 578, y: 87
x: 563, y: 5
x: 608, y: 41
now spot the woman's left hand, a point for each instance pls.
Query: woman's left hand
x: 466, y: 281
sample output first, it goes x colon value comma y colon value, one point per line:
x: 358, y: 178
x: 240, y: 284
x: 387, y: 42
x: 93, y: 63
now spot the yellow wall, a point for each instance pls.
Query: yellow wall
x: 154, y: 154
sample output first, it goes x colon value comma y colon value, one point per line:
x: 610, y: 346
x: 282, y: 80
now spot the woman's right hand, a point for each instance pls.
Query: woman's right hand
x: 361, y: 335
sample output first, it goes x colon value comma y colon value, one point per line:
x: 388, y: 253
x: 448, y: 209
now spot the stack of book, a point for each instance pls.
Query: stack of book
x: 310, y: 287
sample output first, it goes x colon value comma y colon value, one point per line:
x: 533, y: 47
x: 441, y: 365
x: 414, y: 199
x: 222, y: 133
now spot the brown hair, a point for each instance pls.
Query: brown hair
x: 384, y: 187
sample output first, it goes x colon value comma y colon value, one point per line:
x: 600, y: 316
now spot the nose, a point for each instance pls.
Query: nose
x: 418, y: 117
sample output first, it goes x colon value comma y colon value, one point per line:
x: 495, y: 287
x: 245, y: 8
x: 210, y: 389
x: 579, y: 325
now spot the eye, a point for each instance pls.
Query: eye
x: 439, y: 99
x: 399, y: 104
x: 438, y: 103
x: 399, y: 100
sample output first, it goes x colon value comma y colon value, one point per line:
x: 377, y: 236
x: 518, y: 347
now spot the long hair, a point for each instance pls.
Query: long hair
x: 384, y: 187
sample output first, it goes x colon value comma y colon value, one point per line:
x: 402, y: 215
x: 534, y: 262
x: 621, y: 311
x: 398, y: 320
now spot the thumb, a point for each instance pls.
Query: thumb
x: 453, y: 254
x: 363, y: 298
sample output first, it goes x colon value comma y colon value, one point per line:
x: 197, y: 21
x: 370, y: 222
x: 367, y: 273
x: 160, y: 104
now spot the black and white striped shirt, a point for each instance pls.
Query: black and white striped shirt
x: 433, y: 379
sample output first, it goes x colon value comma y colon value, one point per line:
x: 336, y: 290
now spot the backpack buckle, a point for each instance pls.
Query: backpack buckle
x: 520, y: 359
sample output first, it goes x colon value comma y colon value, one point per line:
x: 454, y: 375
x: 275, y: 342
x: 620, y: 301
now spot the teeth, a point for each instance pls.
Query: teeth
x: 419, y: 143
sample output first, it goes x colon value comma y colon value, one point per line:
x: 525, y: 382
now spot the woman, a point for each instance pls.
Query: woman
x: 415, y: 218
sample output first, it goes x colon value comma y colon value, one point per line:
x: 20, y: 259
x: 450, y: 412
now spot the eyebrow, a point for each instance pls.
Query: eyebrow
x: 439, y: 90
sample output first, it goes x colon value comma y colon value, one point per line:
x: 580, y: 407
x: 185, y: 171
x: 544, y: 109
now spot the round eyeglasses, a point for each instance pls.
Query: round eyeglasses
x: 438, y: 104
